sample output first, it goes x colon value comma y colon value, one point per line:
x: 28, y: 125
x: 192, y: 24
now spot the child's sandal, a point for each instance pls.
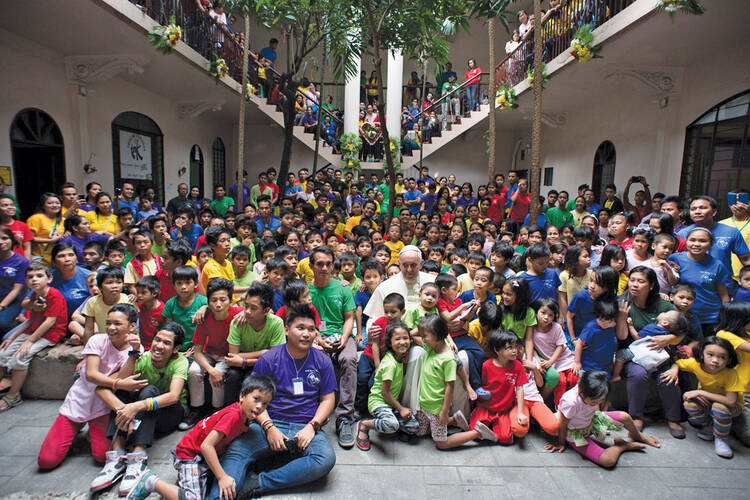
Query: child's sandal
x: 362, y: 444
x: 7, y: 403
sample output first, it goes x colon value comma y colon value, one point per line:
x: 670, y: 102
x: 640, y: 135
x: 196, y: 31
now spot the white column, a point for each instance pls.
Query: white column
x: 351, y: 101
x: 394, y: 93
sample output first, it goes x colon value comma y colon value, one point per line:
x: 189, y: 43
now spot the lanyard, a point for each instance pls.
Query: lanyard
x: 738, y: 227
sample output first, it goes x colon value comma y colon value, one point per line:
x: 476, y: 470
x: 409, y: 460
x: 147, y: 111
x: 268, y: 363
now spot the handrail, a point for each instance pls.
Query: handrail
x: 441, y: 98
x: 324, y: 110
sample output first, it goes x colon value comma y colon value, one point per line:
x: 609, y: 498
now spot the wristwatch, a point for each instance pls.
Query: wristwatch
x: 315, y: 425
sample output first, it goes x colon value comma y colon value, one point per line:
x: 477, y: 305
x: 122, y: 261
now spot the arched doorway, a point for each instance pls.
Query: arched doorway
x: 196, y: 168
x: 219, y: 164
x: 604, y: 168
x: 717, y: 152
x: 137, y: 153
x: 38, y: 157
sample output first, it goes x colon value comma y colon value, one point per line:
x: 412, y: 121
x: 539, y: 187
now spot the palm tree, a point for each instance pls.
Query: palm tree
x: 536, y: 125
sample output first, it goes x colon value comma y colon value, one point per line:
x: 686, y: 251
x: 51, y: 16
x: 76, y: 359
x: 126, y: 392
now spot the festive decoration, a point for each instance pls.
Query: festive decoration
x: 582, y: 46
x: 505, y: 98
x: 218, y: 68
x: 371, y: 132
x: 249, y: 91
x: 530, y: 75
x: 685, y: 6
x: 351, y: 145
x: 165, y: 38
x: 395, y: 147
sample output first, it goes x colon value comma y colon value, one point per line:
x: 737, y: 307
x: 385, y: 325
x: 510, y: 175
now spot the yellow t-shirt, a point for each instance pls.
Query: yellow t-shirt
x: 42, y: 226
x: 743, y: 368
x: 744, y: 229
x: 354, y: 221
x: 97, y: 309
x: 400, y: 188
x: 131, y: 277
x: 465, y: 283
x: 305, y: 271
x: 106, y: 223
x: 622, y: 284
x: 340, y: 228
x: 213, y: 269
x: 476, y: 332
x: 727, y: 380
x: 571, y: 286
x: 395, y: 249
x: 577, y: 218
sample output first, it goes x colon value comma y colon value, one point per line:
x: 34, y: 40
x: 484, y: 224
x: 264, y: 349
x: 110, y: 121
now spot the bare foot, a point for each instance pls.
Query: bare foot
x: 647, y: 439
x: 5, y: 384
x: 615, y: 379
x: 638, y: 422
x: 74, y: 340
x: 629, y: 445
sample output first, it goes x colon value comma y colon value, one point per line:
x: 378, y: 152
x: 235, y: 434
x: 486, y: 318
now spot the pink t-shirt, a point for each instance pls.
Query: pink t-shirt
x: 530, y: 389
x: 546, y: 343
x: 574, y: 409
x: 81, y: 403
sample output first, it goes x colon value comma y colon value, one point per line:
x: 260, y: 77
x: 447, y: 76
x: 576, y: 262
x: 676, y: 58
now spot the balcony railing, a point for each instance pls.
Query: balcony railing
x: 559, y: 26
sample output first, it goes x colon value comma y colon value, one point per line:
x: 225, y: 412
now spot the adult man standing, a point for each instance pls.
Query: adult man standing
x: 126, y: 198
x: 592, y: 206
x: 412, y: 196
x: 641, y: 205
x: 368, y: 211
x: 740, y: 219
x: 727, y: 239
x: 270, y: 51
x: 305, y: 384
x: 175, y: 204
x: 560, y: 215
x: 338, y: 185
x: 265, y: 219
x: 69, y: 199
x: 424, y: 176
x: 261, y: 188
x: 222, y: 203
x: 612, y: 203
x: 234, y: 190
x: 674, y: 206
x: 513, y: 181
x: 335, y: 304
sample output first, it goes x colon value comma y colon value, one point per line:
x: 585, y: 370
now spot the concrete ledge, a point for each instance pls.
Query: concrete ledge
x: 51, y: 372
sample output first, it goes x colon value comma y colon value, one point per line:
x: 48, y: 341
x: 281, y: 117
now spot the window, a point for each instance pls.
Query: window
x: 196, y: 168
x: 717, y: 154
x: 219, y: 162
x: 548, y: 176
x: 604, y: 168
x: 137, y: 153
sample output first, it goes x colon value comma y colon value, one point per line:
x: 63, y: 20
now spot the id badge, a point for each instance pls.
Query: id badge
x: 322, y: 328
x: 298, y: 386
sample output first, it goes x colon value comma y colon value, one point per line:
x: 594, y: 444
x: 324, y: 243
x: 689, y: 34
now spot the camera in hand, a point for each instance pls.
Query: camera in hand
x: 635, y: 178
x: 292, y: 447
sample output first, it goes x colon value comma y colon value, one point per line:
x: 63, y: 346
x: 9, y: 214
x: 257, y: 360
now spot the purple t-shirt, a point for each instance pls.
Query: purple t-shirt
x: 78, y: 243
x: 12, y: 272
x: 316, y: 373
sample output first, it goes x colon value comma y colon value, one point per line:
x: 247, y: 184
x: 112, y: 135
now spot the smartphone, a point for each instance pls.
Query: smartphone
x: 82, y: 197
x: 743, y: 197
x: 732, y: 199
x: 635, y: 178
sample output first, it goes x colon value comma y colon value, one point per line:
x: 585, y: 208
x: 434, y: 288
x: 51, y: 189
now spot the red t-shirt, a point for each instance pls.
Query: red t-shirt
x: 520, y: 207
x: 281, y: 313
x: 201, y: 241
x: 447, y: 218
x: 56, y: 307
x: 443, y: 305
x: 149, y: 323
x: 501, y: 382
x: 22, y: 233
x: 167, y: 289
x: 229, y: 421
x: 626, y: 244
x: 212, y: 335
x: 382, y: 323
x: 497, y: 207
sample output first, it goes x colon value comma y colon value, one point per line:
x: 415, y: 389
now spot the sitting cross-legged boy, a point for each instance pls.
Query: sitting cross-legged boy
x: 48, y: 317
x: 137, y: 414
x: 211, y: 347
x: 198, y: 452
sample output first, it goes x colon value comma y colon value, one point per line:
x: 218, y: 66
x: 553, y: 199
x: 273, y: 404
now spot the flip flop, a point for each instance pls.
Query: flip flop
x: 362, y: 444
x: 7, y: 403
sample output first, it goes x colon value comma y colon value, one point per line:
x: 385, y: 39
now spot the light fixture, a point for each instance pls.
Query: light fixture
x: 83, y: 91
x: 89, y: 167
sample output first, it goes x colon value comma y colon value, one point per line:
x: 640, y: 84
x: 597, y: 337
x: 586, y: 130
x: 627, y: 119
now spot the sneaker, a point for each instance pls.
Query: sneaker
x: 192, y: 418
x: 114, y: 468
x: 722, y: 448
x: 135, y: 467
x: 250, y: 487
x: 460, y: 421
x: 346, y: 435
x: 140, y: 492
x: 483, y: 394
x: 362, y: 443
x: 485, y: 432
x: 706, y: 433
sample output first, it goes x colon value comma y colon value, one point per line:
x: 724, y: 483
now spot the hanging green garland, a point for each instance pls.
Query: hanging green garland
x: 351, y: 145
x: 165, y: 38
x: 685, y: 6
x: 530, y: 75
x: 218, y: 68
x: 582, y: 46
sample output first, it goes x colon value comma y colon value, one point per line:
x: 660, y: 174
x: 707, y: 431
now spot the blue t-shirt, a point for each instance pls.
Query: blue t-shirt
x: 594, y: 209
x: 75, y: 290
x: 582, y: 306
x: 274, y: 223
x: 469, y: 295
x: 268, y: 54
x: 12, y: 272
x: 705, y: 277
x: 192, y: 236
x: 292, y: 190
x: 652, y: 330
x: 361, y: 299
x: 132, y: 205
x: 429, y: 200
x: 541, y: 220
x: 742, y: 295
x: 315, y: 372
x: 543, y: 286
x: 278, y: 300
x: 600, y: 347
x: 413, y: 195
x: 79, y: 243
x: 727, y: 240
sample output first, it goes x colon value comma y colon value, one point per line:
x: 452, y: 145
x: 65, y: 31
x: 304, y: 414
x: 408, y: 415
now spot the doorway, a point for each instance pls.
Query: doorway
x: 38, y: 157
x: 196, y: 168
x: 604, y: 168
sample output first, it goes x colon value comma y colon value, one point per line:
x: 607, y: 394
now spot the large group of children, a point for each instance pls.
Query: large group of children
x: 533, y: 323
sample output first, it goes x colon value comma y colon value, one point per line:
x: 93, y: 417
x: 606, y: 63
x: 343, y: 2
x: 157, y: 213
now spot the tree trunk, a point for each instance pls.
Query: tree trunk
x: 384, y: 129
x: 320, y: 104
x: 286, y: 153
x: 492, y: 87
x: 241, y: 124
x: 536, y: 127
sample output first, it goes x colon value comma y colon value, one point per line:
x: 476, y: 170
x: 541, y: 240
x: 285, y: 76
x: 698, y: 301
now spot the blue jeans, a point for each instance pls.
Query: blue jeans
x: 471, y: 96
x: 476, y: 358
x: 365, y: 379
x: 8, y: 316
x: 316, y: 461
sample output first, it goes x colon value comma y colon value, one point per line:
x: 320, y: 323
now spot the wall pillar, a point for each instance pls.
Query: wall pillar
x: 394, y: 93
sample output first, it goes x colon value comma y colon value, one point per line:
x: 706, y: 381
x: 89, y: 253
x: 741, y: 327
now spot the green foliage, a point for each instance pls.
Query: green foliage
x: 218, y: 68
x: 488, y: 9
x: 582, y: 45
x: 351, y: 145
x: 685, y: 6
x: 165, y: 38
x: 530, y: 75
x: 395, y: 147
x: 505, y: 98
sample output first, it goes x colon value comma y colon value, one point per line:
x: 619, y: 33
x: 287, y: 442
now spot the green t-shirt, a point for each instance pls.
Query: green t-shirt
x: 519, y: 327
x: 570, y: 205
x: 332, y: 302
x: 184, y: 315
x: 234, y: 242
x: 389, y: 369
x: 222, y: 206
x: 158, y: 249
x: 252, y: 340
x: 246, y: 280
x: 413, y: 316
x: 386, y: 190
x: 354, y: 285
x: 641, y: 317
x: 162, y: 379
x: 558, y: 217
x: 437, y: 369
